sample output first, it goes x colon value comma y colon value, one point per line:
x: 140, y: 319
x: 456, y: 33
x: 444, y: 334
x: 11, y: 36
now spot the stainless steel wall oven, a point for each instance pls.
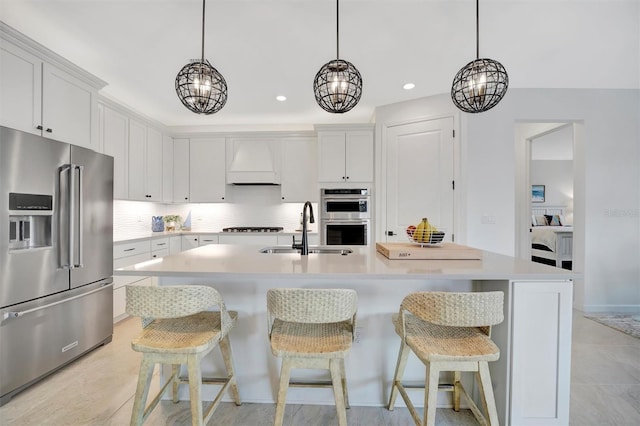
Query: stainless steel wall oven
x: 345, y: 216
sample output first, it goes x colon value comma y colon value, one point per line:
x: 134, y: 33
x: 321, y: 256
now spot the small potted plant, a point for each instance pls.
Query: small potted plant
x: 171, y: 221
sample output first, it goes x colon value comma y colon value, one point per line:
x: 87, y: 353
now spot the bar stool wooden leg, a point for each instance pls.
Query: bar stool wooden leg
x: 175, y: 376
x: 486, y: 390
x: 344, y: 383
x: 456, y: 390
x: 334, y: 367
x: 225, y: 348
x: 285, y: 372
x: 403, y: 355
x: 195, y: 384
x: 431, y: 393
x: 142, y: 391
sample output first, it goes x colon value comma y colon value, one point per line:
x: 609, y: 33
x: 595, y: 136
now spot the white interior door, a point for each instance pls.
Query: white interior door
x: 419, y: 178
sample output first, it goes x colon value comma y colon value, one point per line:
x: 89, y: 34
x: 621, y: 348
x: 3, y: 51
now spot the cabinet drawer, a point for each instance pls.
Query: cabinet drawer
x: 159, y: 253
x: 131, y: 249
x: 121, y: 280
x: 205, y: 239
x: 159, y: 243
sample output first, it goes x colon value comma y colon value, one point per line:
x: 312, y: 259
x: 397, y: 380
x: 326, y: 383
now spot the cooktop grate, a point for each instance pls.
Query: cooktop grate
x: 253, y: 229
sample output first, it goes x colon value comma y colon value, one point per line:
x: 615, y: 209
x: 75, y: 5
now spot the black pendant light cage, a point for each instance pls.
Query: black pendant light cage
x: 338, y: 85
x: 200, y: 87
x: 480, y: 84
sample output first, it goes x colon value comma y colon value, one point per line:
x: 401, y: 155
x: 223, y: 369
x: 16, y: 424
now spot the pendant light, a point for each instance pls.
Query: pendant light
x: 338, y: 84
x: 482, y: 83
x: 200, y: 87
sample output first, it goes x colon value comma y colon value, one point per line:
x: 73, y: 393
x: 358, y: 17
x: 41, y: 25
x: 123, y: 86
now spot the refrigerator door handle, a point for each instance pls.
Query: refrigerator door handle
x: 79, y: 236
x: 66, y: 213
x: 17, y: 314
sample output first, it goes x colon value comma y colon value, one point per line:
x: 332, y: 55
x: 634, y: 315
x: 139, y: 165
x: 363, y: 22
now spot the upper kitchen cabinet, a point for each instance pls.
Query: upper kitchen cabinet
x: 145, y: 162
x: 207, y: 170
x: 114, y: 139
x: 167, y: 169
x: 199, y: 170
x: 345, y: 154
x: 44, y: 94
x: 299, y: 169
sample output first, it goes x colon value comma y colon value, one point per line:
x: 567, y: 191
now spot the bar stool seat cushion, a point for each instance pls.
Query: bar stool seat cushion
x: 185, y: 335
x: 433, y: 342
x: 313, y: 340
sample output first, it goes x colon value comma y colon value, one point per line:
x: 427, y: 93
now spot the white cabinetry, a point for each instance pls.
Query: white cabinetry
x: 541, y: 349
x: 175, y: 244
x: 189, y: 242
x: 248, y: 239
x: 299, y: 169
x: 345, y: 155
x: 180, y: 170
x: 114, y: 139
x: 206, y: 239
x: 45, y: 94
x: 145, y: 162
x: 167, y: 169
x: 207, y: 170
x: 124, y: 254
x: 159, y: 247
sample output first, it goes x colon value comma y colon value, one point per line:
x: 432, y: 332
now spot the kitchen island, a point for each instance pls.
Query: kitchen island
x: 531, y: 379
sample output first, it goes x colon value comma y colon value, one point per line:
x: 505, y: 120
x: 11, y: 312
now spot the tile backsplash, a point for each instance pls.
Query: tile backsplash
x: 247, y: 206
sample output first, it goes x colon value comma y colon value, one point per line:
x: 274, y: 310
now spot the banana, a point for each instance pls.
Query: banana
x: 423, y: 231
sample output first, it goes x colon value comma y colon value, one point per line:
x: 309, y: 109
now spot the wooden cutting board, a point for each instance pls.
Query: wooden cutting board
x: 446, y: 251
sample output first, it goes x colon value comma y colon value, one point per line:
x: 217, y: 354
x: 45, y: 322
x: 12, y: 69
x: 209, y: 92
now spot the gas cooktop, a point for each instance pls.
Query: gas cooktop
x: 253, y: 229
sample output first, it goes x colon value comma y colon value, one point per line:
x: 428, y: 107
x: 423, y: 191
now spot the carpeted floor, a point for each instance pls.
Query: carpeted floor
x: 621, y: 322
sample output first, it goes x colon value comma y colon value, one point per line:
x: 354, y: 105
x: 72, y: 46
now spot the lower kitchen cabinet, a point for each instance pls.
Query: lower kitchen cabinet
x: 175, y: 244
x: 189, y: 242
x: 124, y: 254
x: 205, y: 239
x: 249, y: 239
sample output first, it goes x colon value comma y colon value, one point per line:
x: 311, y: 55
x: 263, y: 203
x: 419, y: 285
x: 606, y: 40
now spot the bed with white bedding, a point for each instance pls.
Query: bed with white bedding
x: 551, y: 240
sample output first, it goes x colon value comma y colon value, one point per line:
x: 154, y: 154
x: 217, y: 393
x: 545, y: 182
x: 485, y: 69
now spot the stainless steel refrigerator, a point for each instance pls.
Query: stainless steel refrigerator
x: 56, y: 256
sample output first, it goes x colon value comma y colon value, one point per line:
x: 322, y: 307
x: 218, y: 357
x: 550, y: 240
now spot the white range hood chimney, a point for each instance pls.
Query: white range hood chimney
x: 253, y: 161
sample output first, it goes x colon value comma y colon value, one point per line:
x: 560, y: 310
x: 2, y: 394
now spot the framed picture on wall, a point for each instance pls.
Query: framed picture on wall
x: 537, y: 193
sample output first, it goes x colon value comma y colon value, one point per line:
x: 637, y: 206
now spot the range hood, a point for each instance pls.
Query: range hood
x: 253, y: 161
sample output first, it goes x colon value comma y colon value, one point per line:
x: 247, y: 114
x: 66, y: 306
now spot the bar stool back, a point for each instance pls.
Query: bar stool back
x: 314, y: 329
x: 179, y: 329
x: 449, y: 332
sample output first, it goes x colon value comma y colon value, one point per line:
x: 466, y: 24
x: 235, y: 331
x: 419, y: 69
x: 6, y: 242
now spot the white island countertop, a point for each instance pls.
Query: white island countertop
x: 364, y: 262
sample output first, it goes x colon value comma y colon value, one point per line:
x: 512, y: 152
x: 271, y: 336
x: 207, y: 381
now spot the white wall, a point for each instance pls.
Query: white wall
x: 557, y: 177
x: 607, y: 188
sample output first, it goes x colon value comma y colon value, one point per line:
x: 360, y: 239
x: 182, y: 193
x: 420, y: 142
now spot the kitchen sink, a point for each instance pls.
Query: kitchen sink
x: 312, y: 250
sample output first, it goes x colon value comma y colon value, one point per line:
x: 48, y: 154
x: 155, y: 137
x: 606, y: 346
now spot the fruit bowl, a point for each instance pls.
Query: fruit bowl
x: 434, y: 239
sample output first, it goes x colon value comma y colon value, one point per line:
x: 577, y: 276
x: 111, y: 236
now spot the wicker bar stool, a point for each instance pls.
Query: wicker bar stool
x: 449, y: 332
x: 179, y: 329
x: 313, y: 329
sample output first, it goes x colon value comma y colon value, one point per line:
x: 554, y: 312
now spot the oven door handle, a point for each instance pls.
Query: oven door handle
x: 346, y: 222
x: 347, y: 199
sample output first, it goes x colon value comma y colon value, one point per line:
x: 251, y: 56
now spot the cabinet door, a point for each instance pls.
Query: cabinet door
x: 180, y: 170
x: 359, y: 157
x: 153, y: 176
x: 68, y: 108
x: 299, y: 170
x: 175, y: 244
x: 331, y: 157
x: 137, y: 160
x: 206, y: 239
x: 207, y: 170
x: 167, y: 169
x: 189, y: 242
x: 115, y: 136
x: 21, y: 89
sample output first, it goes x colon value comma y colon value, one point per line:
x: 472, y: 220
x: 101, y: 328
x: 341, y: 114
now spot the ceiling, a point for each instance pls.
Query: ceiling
x: 275, y: 47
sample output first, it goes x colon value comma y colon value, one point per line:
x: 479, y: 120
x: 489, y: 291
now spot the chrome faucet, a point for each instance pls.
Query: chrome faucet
x: 304, y: 245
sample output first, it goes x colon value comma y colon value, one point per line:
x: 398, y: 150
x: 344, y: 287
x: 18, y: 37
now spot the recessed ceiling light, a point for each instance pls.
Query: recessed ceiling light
x: 408, y: 86
x: 281, y: 98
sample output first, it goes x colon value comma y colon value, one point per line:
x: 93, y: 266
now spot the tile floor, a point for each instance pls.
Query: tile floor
x: 98, y: 389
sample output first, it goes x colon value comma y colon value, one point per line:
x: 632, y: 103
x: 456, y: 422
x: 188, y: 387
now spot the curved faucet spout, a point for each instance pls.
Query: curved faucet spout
x: 304, y: 246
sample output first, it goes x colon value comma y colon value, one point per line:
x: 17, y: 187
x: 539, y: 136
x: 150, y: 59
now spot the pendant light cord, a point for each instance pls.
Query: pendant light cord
x: 477, y: 29
x: 202, y: 57
x: 337, y: 29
